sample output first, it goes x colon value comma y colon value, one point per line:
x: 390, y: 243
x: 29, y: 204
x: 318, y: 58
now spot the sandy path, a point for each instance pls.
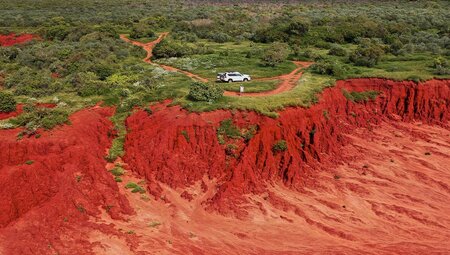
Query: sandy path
x: 287, y: 81
x: 148, y: 47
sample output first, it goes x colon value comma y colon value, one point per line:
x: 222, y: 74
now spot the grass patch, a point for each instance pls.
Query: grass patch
x: 117, y: 149
x: 135, y: 188
x: 251, y: 86
x: 227, y: 130
x: 359, y: 97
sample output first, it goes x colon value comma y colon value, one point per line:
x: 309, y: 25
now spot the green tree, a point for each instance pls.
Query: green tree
x: 368, y: 53
x: 276, y: 54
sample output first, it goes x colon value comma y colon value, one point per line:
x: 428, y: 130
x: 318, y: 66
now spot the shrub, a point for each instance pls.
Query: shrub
x: 141, y: 31
x: 205, y: 92
x: 297, y: 28
x: 368, y: 53
x: 279, y: 146
x: 337, y: 50
x: 7, y: 102
x: 37, y: 117
x: 117, y: 171
x: 328, y: 67
x: 441, y: 66
x: 276, y: 54
x: 168, y: 49
x: 220, y: 37
x: 89, y: 84
x: 135, y: 187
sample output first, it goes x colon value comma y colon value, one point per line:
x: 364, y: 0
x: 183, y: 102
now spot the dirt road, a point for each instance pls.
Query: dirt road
x: 287, y: 81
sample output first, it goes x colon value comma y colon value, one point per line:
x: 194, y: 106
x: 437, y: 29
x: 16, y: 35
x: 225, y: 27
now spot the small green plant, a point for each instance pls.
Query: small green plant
x: 117, y: 171
x: 29, y: 162
x: 108, y: 207
x: 130, y: 232
x: 117, y: 179
x: 279, y: 146
x: 325, y: 114
x: 337, y: 177
x: 250, y: 132
x: 427, y: 153
x: 135, y: 188
x: 154, y: 224
x: 80, y: 208
x: 78, y: 178
x: 186, y: 135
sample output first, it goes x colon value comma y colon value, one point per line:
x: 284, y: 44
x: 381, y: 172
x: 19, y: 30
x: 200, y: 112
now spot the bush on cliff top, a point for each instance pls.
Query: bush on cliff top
x: 7, y: 102
x: 205, y: 92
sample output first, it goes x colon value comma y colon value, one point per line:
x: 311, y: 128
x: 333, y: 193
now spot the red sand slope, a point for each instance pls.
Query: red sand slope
x: 357, y: 178
x: 12, y: 39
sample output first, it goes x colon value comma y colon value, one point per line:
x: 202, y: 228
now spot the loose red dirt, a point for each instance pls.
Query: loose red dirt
x: 356, y: 178
x: 13, y: 39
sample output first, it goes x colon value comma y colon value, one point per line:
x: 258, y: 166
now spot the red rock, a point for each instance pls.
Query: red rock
x: 13, y: 39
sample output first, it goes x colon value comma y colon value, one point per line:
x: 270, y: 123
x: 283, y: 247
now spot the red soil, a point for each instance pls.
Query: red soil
x: 356, y: 178
x: 287, y: 81
x: 46, y: 205
x: 13, y: 39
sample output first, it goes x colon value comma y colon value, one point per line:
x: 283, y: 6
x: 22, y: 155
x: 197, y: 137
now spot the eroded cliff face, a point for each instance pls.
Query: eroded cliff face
x: 179, y: 148
x: 336, y: 179
x: 52, y: 184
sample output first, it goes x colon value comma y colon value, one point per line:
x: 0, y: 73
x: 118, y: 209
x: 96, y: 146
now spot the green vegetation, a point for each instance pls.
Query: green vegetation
x: 363, y: 96
x: 82, y: 60
x: 154, y: 224
x: 135, y: 188
x: 34, y: 118
x: 279, y: 146
x: 117, y: 171
x: 368, y: 53
x: 29, y: 162
x: 276, y: 54
x: 251, y: 86
x: 227, y: 129
x: 205, y: 92
x: 7, y: 102
x: 186, y: 135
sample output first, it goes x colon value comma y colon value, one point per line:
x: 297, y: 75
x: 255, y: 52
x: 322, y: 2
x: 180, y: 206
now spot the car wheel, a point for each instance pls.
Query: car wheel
x: 245, y: 80
x: 230, y: 80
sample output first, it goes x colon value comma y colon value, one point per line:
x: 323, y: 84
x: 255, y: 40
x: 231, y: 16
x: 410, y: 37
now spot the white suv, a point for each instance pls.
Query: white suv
x: 233, y: 76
